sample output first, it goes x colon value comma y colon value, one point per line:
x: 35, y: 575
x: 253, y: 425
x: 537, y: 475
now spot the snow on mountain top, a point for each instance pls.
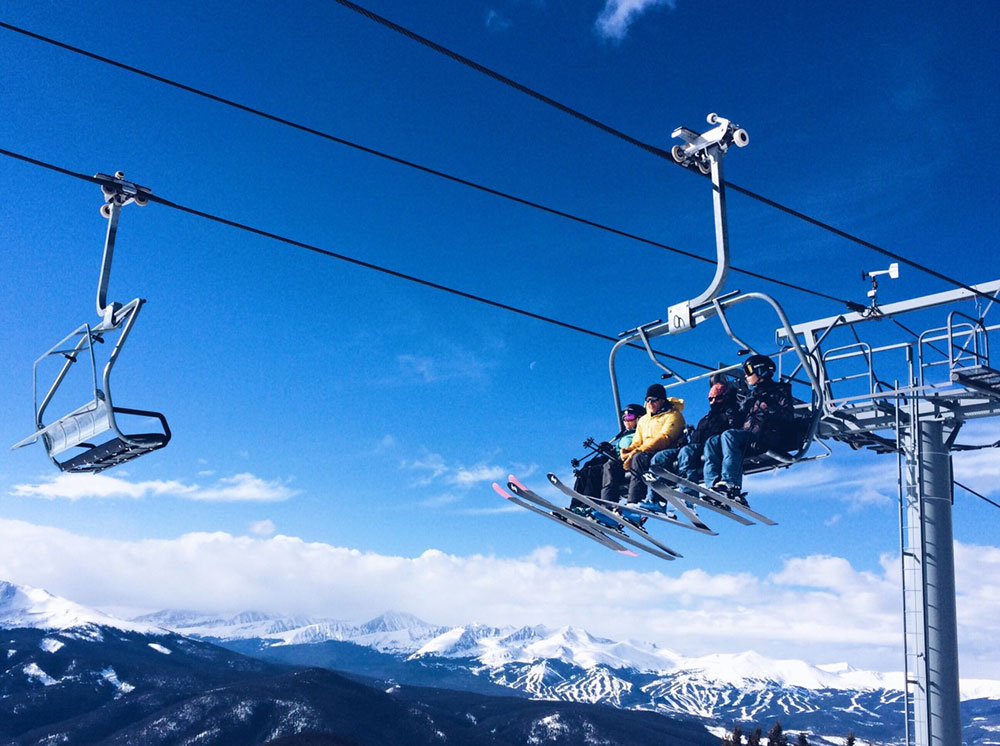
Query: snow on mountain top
x: 743, y: 669
x: 24, y: 606
x: 242, y: 626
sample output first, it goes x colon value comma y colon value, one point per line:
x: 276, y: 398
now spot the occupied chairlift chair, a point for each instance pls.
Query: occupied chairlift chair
x: 704, y: 153
x: 94, y: 427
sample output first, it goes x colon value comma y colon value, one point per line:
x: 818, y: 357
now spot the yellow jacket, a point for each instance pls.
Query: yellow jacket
x: 656, y: 432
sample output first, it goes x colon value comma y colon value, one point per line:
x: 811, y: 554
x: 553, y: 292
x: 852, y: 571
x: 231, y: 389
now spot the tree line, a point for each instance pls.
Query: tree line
x: 775, y: 737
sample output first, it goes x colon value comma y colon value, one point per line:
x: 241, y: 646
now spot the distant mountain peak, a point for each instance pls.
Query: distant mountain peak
x: 23, y: 606
x: 393, y: 621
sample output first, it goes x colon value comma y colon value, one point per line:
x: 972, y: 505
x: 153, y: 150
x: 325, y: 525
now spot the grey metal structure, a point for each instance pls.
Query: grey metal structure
x: 93, y: 428
x: 940, y: 378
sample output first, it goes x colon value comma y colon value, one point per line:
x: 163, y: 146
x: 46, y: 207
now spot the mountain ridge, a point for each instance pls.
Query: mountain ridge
x: 498, y: 646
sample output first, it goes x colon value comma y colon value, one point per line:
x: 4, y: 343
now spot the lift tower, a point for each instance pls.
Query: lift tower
x: 911, y: 398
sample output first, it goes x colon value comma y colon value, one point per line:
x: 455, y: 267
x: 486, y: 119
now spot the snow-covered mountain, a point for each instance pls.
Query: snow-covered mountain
x: 75, y: 676
x: 22, y: 606
x: 391, y: 632
x: 566, y: 664
x: 496, y: 647
x: 572, y: 665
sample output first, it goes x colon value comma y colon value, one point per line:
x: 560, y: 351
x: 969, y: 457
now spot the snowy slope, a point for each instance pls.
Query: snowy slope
x: 22, y: 606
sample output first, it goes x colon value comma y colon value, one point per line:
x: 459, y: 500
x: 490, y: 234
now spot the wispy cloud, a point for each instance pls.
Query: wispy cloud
x: 819, y: 608
x: 617, y: 15
x: 428, y: 467
x: 481, y: 472
x: 452, y: 365
x: 431, y: 468
x: 244, y: 487
x: 496, y: 21
x: 859, y: 486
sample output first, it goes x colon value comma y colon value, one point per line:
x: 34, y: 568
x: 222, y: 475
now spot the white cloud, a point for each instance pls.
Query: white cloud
x: 481, y: 472
x: 858, y: 485
x: 243, y: 487
x: 431, y: 468
x: 817, y: 608
x: 617, y: 15
x: 262, y: 528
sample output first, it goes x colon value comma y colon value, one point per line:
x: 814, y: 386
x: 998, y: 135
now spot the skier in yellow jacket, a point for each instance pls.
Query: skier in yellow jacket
x: 660, y: 428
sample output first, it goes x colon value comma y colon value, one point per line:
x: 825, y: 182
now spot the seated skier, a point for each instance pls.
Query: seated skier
x: 686, y: 461
x: 659, y: 429
x: 604, y: 472
x: 768, y: 423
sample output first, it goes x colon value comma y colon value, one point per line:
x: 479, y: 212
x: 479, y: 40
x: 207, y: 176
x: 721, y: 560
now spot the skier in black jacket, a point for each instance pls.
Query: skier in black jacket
x: 768, y: 423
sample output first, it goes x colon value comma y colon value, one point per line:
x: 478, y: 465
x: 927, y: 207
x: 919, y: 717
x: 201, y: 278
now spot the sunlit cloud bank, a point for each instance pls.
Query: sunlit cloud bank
x: 817, y: 608
x: 617, y: 15
x: 238, y: 488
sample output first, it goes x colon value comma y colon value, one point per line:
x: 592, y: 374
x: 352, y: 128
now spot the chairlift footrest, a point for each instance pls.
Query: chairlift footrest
x: 116, y: 451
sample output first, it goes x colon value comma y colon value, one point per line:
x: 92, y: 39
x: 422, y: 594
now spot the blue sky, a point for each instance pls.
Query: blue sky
x: 323, y: 410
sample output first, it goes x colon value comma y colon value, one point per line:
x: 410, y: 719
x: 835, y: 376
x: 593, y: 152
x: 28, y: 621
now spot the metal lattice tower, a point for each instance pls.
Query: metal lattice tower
x: 947, y: 380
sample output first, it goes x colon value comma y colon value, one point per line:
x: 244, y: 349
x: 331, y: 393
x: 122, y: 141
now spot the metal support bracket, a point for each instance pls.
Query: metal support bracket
x: 117, y: 194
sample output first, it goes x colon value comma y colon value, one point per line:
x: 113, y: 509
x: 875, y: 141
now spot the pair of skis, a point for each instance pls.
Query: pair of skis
x: 613, y: 536
x: 667, y: 485
x: 663, y: 483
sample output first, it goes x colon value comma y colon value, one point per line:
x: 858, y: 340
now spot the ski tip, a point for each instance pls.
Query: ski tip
x: 552, y: 477
x: 628, y: 553
x: 515, y: 480
x: 501, y: 491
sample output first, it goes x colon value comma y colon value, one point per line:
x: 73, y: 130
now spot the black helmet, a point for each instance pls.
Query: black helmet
x: 637, y: 409
x: 759, y: 365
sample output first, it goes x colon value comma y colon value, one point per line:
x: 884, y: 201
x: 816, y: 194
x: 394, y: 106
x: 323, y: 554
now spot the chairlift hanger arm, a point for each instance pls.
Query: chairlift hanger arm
x: 117, y: 194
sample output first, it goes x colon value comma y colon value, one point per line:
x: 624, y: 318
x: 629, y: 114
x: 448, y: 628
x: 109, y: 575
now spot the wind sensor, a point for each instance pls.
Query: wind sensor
x: 893, y: 272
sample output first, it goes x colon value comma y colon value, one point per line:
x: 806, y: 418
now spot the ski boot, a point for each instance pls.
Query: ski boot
x: 603, y: 520
x: 654, y: 506
x: 636, y: 519
x: 732, y: 491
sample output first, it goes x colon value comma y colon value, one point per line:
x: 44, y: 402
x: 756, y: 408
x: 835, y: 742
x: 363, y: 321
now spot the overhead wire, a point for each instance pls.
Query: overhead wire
x: 411, y: 164
x: 973, y: 492
x: 659, y: 152
x: 352, y: 260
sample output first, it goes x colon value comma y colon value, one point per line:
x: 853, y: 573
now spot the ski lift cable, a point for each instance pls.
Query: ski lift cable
x: 352, y: 260
x: 417, y: 166
x: 973, y: 492
x: 659, y: 152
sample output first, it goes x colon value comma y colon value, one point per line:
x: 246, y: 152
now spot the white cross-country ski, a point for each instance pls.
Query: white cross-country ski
x: 565, y: 518
x: 616, y: 517
x: 705, y: 492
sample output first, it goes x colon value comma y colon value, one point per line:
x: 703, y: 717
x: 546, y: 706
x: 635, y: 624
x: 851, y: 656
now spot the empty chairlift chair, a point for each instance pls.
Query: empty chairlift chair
x: 90, y: 439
